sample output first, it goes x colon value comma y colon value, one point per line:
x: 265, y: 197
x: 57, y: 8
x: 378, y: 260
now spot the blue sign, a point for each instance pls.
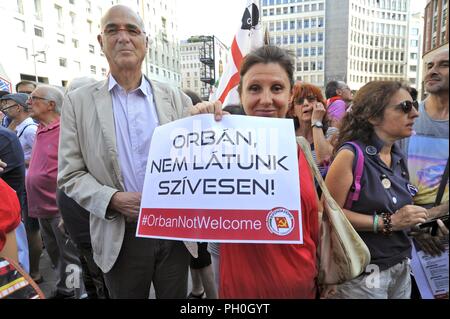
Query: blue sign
x: 5, y: 85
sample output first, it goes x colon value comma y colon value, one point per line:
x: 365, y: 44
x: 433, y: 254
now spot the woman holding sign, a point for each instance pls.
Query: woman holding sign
x: 270, y: 270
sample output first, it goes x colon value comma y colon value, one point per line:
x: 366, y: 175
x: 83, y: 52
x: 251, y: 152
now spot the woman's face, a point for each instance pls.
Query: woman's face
x: 303, y: 107
x: 397, y: 124
x: 266, y: 91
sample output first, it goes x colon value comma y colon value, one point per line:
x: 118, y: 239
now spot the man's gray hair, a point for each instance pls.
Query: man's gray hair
x: 54, y: 94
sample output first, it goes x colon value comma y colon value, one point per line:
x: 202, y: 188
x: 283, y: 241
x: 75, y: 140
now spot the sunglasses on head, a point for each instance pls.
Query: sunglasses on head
x: 310, y: 98
x: 406, y: 106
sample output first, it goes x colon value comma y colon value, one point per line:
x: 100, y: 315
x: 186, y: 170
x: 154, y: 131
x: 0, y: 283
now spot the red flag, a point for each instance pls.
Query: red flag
x: 248, y: 37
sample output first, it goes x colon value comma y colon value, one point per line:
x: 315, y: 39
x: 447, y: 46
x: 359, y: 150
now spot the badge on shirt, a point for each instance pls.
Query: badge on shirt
x: 413, y: 190
x: 371, y: 150
x: 386, y: 183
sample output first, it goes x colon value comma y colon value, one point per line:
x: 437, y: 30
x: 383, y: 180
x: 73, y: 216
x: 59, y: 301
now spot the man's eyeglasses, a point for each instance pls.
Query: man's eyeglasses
x: 406, y: 106
x: 131, y: 30
x: 8, y: 107
x: 310, y: 99
x: 35, y: 98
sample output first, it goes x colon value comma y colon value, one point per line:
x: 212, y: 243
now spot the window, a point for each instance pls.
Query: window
x: 89, y: 23
x: 73, y: 18
x: 75, y: 43
x: 38, y: 31
x: 93, y: 69
x: 88, y: 6
x: 72, y: 1
x: 20, y: 6
x: 412, y: 68
x: 305, y: 51
x: 77, y: 65
x: 37, y: 9
x: 63, y: 62
x: 23, y: 53
x: 20, y: 24
x: 59, y: 15
x: 60, y: 38
x: 91, y: 48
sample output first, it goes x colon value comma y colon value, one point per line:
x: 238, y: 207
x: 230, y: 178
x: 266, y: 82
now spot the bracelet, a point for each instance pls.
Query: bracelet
x: 375, y: 222
x: 387, y: 223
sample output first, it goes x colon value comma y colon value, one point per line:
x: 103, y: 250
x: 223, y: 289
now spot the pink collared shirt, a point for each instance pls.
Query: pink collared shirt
x: 42, y: 172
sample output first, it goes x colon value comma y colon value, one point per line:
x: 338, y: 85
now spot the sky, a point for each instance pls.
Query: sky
x: 210, y: 17
x: 222, y: 17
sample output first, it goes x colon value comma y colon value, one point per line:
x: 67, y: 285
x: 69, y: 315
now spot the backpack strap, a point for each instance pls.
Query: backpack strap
x: 355, y: 190
x: 23, y: 130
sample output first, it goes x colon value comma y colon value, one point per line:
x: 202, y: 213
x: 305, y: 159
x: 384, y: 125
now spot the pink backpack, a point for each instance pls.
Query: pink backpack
x: 355, y: 190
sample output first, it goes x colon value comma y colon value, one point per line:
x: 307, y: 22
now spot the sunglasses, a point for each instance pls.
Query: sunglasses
x: 406, y: 106
x: 310, y: 99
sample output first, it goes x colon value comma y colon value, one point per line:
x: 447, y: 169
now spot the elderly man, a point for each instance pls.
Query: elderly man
x: 45, y: 103
x: 106, y: 130
x: 339, y: 96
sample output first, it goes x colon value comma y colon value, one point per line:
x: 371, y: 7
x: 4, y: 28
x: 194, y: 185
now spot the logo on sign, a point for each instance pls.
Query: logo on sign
x: 280, y: 221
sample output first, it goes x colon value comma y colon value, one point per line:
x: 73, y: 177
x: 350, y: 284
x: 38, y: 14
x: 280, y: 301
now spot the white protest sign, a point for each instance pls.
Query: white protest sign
x: 235, y: 180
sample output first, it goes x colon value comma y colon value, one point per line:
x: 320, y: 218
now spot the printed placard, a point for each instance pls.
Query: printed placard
x: 234, y: 180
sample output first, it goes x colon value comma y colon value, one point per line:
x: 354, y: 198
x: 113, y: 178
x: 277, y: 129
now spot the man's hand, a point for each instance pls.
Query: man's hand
x: 127, y: 204
x: 431, y: 245
x: 2, y: 166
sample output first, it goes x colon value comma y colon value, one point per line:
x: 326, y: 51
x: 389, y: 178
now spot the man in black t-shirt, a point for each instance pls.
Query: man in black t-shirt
x: 12, y: 154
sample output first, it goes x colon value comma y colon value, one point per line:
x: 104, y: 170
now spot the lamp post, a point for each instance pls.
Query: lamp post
x: 34, y: 55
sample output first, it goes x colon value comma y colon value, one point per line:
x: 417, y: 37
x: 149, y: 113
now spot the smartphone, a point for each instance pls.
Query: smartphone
x: 433, y: 223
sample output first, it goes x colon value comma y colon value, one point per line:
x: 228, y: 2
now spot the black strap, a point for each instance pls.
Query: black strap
x: 18, y: 136
x: 442, y: 186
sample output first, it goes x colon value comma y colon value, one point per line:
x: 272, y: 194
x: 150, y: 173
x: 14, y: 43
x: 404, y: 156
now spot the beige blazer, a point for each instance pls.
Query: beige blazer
x: 88, y: 167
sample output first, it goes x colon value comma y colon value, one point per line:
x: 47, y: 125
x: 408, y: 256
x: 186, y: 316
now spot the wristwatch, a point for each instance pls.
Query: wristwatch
x: 318, y: 124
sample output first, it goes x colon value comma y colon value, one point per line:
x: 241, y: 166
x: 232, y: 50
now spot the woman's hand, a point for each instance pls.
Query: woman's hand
x: 408, y: 216
x: 318, y: 113
x: 208, y: 108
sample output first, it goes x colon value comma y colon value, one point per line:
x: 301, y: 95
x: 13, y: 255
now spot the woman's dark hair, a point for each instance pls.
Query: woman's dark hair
x: 236, y: 109
x: 303, y: 90
x: 368, y: 104
x: 195, y: 98
x: 265, y: 55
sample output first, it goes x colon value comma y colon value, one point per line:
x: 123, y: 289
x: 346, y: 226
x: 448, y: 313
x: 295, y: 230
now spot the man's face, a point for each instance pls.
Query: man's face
x: 436, y: 76
x: 39, y: 105
x: 10, y: 108
x: 25, y: 88
x: 123, y: 40
x: 345, y: 92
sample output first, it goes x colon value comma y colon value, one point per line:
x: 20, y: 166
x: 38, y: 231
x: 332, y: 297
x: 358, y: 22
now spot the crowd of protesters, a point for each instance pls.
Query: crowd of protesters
x: 77, y: 160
